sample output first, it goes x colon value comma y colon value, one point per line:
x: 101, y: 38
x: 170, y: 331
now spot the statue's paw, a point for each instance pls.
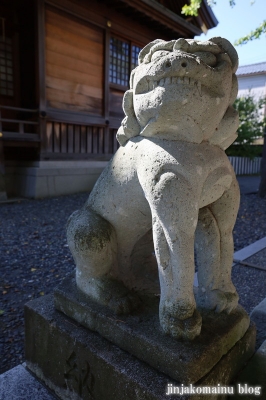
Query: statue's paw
x: 218, y: 301
x: 231, y: 301
x: 125, y: 304
x: 112, y: 294
x: 182, y: 329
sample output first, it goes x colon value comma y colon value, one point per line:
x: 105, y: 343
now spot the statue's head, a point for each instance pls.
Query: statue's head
x: 181, y: 90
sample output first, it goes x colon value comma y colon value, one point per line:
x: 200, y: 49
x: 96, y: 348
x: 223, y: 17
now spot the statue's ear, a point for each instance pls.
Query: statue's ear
x: 225, y: 133
x: 129, y: 126
x: 228, y: 48
x: 158, y: 44
x: 146, y: 50
x: 234, y: 90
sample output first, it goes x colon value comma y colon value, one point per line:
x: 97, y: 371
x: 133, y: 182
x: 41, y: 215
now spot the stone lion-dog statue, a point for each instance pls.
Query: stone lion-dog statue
x: 169, y: 190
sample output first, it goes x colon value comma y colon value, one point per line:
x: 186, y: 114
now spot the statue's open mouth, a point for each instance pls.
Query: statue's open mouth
x: 175, y: 80
x: 145, y: 86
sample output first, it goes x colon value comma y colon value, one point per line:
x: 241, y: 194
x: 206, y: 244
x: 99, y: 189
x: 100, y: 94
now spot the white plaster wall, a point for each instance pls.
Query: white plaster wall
x: 256, y: 85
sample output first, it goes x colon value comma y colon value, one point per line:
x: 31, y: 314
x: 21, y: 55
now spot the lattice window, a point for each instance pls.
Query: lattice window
x: 119, y: 62
x: 134, y: 57
x: 123, y: 58
x: 6, y: 67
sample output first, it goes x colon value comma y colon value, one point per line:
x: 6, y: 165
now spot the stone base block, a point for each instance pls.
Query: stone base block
x: 77, y: 363
x: 186, y: 362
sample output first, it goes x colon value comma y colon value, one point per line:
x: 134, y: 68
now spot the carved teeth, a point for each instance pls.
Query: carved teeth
x: 177, y: 80
x: 199, y: 88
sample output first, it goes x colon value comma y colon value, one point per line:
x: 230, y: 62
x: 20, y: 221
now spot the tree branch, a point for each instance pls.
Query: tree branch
x: 252, y: 35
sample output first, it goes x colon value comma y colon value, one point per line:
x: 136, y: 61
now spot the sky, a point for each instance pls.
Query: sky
x: 237, y: 22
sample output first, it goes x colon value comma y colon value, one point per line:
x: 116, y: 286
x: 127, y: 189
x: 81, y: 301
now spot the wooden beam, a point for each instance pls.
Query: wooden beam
x: 207, y: 15
x: 76, y: 156
x: 163, y: 19
x: 73, y: 117
x: 24, y: 137
x: 164, y: 16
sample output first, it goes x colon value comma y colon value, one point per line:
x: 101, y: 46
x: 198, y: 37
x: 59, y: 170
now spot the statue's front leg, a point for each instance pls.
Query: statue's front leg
x: 178, y: 314
x: 174, y: 223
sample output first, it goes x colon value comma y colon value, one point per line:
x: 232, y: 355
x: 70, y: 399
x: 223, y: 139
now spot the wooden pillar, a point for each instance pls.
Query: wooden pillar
x: 106, y: 89
x: 41, y: 73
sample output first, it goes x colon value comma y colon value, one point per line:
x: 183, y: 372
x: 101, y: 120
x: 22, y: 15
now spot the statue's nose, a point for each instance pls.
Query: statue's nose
x: 176, y: 63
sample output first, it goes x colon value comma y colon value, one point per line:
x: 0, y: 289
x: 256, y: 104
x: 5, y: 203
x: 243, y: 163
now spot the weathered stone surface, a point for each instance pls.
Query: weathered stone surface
x: 71, y: 359
x: 169, y: 188
x: 186, y: 362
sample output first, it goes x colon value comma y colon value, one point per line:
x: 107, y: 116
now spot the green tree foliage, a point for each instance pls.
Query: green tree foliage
x: 253, y: 34
x: 251, y: 126
x: 193, y: 7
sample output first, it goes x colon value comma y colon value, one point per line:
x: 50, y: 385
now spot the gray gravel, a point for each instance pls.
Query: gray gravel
x: 35, y: 257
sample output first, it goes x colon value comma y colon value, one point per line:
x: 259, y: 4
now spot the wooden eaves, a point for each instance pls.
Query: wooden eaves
x: 153, y: 12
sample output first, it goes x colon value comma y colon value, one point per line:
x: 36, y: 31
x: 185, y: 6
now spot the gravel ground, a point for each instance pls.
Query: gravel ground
x: 35, y: 257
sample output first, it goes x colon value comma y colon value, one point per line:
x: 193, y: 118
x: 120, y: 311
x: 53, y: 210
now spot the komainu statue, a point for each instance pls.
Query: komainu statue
x: 169, y: 192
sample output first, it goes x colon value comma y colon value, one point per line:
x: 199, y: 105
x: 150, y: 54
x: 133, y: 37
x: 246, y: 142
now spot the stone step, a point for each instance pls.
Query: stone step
x: 19, y: 383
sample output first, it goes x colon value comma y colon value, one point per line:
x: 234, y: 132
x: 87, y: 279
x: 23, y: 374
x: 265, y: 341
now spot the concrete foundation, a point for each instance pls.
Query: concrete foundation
x: 51, y: 178
x: 77, y: 363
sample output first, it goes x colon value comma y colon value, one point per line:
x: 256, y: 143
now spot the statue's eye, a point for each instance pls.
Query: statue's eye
x: 159, y: 54
x: 207, y: 57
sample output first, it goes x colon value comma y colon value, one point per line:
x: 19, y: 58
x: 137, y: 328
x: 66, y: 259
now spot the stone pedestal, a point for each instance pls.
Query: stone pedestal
x: 77, y: 363
x: 140, y: 333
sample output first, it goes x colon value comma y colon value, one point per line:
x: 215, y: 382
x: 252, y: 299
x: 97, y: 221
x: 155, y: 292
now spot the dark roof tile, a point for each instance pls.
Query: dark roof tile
x: 251, y: 69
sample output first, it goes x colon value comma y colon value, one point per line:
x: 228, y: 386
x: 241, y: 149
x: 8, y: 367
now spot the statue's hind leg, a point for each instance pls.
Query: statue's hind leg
x: 92, y: 242
x: 215, y: 248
